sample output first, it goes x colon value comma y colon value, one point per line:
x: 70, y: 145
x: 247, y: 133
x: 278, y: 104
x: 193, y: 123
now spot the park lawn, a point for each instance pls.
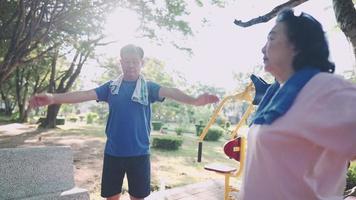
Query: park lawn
x: 169, y: 168
x: 180, y: 167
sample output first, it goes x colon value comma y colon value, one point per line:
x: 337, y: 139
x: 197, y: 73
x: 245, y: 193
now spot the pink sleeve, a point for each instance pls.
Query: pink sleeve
x: 331, y: 121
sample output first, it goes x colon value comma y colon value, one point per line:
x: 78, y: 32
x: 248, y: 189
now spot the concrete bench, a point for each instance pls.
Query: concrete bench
x: 38, y: 173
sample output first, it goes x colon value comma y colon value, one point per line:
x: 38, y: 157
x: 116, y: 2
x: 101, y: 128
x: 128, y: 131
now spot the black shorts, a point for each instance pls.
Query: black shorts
x: 137, y: 170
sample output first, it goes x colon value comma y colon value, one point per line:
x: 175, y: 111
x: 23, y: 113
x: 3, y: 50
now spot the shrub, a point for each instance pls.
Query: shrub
x: 179, y: 130
x: 167, y: 142
x: 214, y: 133
x: 227, y: 124
x: 220, y: 120
x: 157, y: 125
x: 73, y: 119
x: 60, y: 121
x: 92, y: 117
x: 351, y: 177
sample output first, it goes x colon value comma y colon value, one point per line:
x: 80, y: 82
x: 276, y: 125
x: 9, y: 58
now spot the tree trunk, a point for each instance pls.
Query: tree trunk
x: 24, y: 116
x: 9, y: 106
x: 345, y: 14
x: 52, y: 112
x: 68, y: 78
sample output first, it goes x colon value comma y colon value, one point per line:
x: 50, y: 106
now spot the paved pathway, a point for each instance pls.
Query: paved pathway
x: 210, y: 190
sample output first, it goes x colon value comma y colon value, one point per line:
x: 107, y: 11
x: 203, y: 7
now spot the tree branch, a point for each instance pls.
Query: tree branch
x: 270, y: 15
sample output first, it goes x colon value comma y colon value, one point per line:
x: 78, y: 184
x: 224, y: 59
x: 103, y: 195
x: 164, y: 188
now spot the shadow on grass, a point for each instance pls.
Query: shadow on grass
x: 14, y: 141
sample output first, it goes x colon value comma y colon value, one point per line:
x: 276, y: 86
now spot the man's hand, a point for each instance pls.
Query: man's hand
x: 41, y: 100
x: 206, y: 99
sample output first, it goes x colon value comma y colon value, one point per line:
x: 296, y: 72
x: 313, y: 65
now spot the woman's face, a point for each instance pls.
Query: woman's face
x: 131, y: 65
x: 278, y: 53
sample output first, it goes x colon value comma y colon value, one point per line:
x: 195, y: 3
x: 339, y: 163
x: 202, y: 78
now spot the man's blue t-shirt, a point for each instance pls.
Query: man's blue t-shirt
x: 129, y: 123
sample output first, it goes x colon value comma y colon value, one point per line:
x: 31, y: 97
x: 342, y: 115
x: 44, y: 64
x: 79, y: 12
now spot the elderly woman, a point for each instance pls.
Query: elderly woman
x: 304, y: 131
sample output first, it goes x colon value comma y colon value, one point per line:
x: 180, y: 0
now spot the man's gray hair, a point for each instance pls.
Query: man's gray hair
x: 131, y: 49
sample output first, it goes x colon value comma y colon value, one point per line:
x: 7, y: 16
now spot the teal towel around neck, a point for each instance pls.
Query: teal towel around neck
x: 277, y: 101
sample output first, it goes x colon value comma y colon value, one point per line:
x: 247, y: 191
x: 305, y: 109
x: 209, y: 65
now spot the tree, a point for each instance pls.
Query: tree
x: 154, y: 70
x: 166, y: 15
x: 83, y: 50
x: 112, y: 69
x: 27, y: 25
x: 7, y: 97
x: 344, y: 10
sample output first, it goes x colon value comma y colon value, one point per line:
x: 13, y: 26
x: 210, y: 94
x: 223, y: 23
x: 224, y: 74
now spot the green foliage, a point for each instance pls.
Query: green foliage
x: 227, y: 125
x: 214, y: 133
x: 73, y: 118
x: 167, y: 142
x: 6, y: 119
x: 169, y: 111
x: 167, y: 17
x: 221, y: 121
x: 155, y: 70
x: 179, y: 130
x: 351, y: 177
x: 91, y: 117
x: 102, y: 110
x: 111, y: 68
x: 202, y: 88
x: 167, y: 14
x: 60, y: 121
x: 50, y: 24
x: 350, y: 75
x: 68, y: 109
x: 156, y: 125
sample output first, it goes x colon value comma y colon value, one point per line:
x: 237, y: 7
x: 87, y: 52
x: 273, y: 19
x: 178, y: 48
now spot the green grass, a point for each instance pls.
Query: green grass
x: 173, y: 168
x: 181, y: 167
x: 212, y: 151
x: 81, y: 129
x: 6, y: 119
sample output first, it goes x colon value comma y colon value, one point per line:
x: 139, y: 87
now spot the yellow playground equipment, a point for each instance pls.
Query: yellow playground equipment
x: 236, y: 147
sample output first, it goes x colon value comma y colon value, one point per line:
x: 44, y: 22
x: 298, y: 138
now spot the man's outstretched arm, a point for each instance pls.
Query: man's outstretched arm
x: 178, y: 95
x: 61, y: 98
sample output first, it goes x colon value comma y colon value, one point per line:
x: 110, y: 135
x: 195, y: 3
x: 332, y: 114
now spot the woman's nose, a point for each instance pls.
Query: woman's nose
x: 263, y: 49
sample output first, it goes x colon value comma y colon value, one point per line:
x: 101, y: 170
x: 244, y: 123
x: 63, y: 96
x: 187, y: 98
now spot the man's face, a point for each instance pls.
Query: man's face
x: 131, y: 65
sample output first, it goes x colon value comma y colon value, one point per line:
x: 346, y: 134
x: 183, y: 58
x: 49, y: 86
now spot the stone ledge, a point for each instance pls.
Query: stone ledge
x: 74, y: 193
x: 27, y: 172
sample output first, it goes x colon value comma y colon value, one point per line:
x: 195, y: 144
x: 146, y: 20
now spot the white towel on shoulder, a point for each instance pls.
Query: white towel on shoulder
x: 140, y: 94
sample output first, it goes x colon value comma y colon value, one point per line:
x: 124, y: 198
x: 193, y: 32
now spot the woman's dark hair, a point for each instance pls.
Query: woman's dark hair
x: 308, y: 37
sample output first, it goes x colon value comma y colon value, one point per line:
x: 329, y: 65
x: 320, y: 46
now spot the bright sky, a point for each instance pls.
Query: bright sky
x: 221, y: 48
